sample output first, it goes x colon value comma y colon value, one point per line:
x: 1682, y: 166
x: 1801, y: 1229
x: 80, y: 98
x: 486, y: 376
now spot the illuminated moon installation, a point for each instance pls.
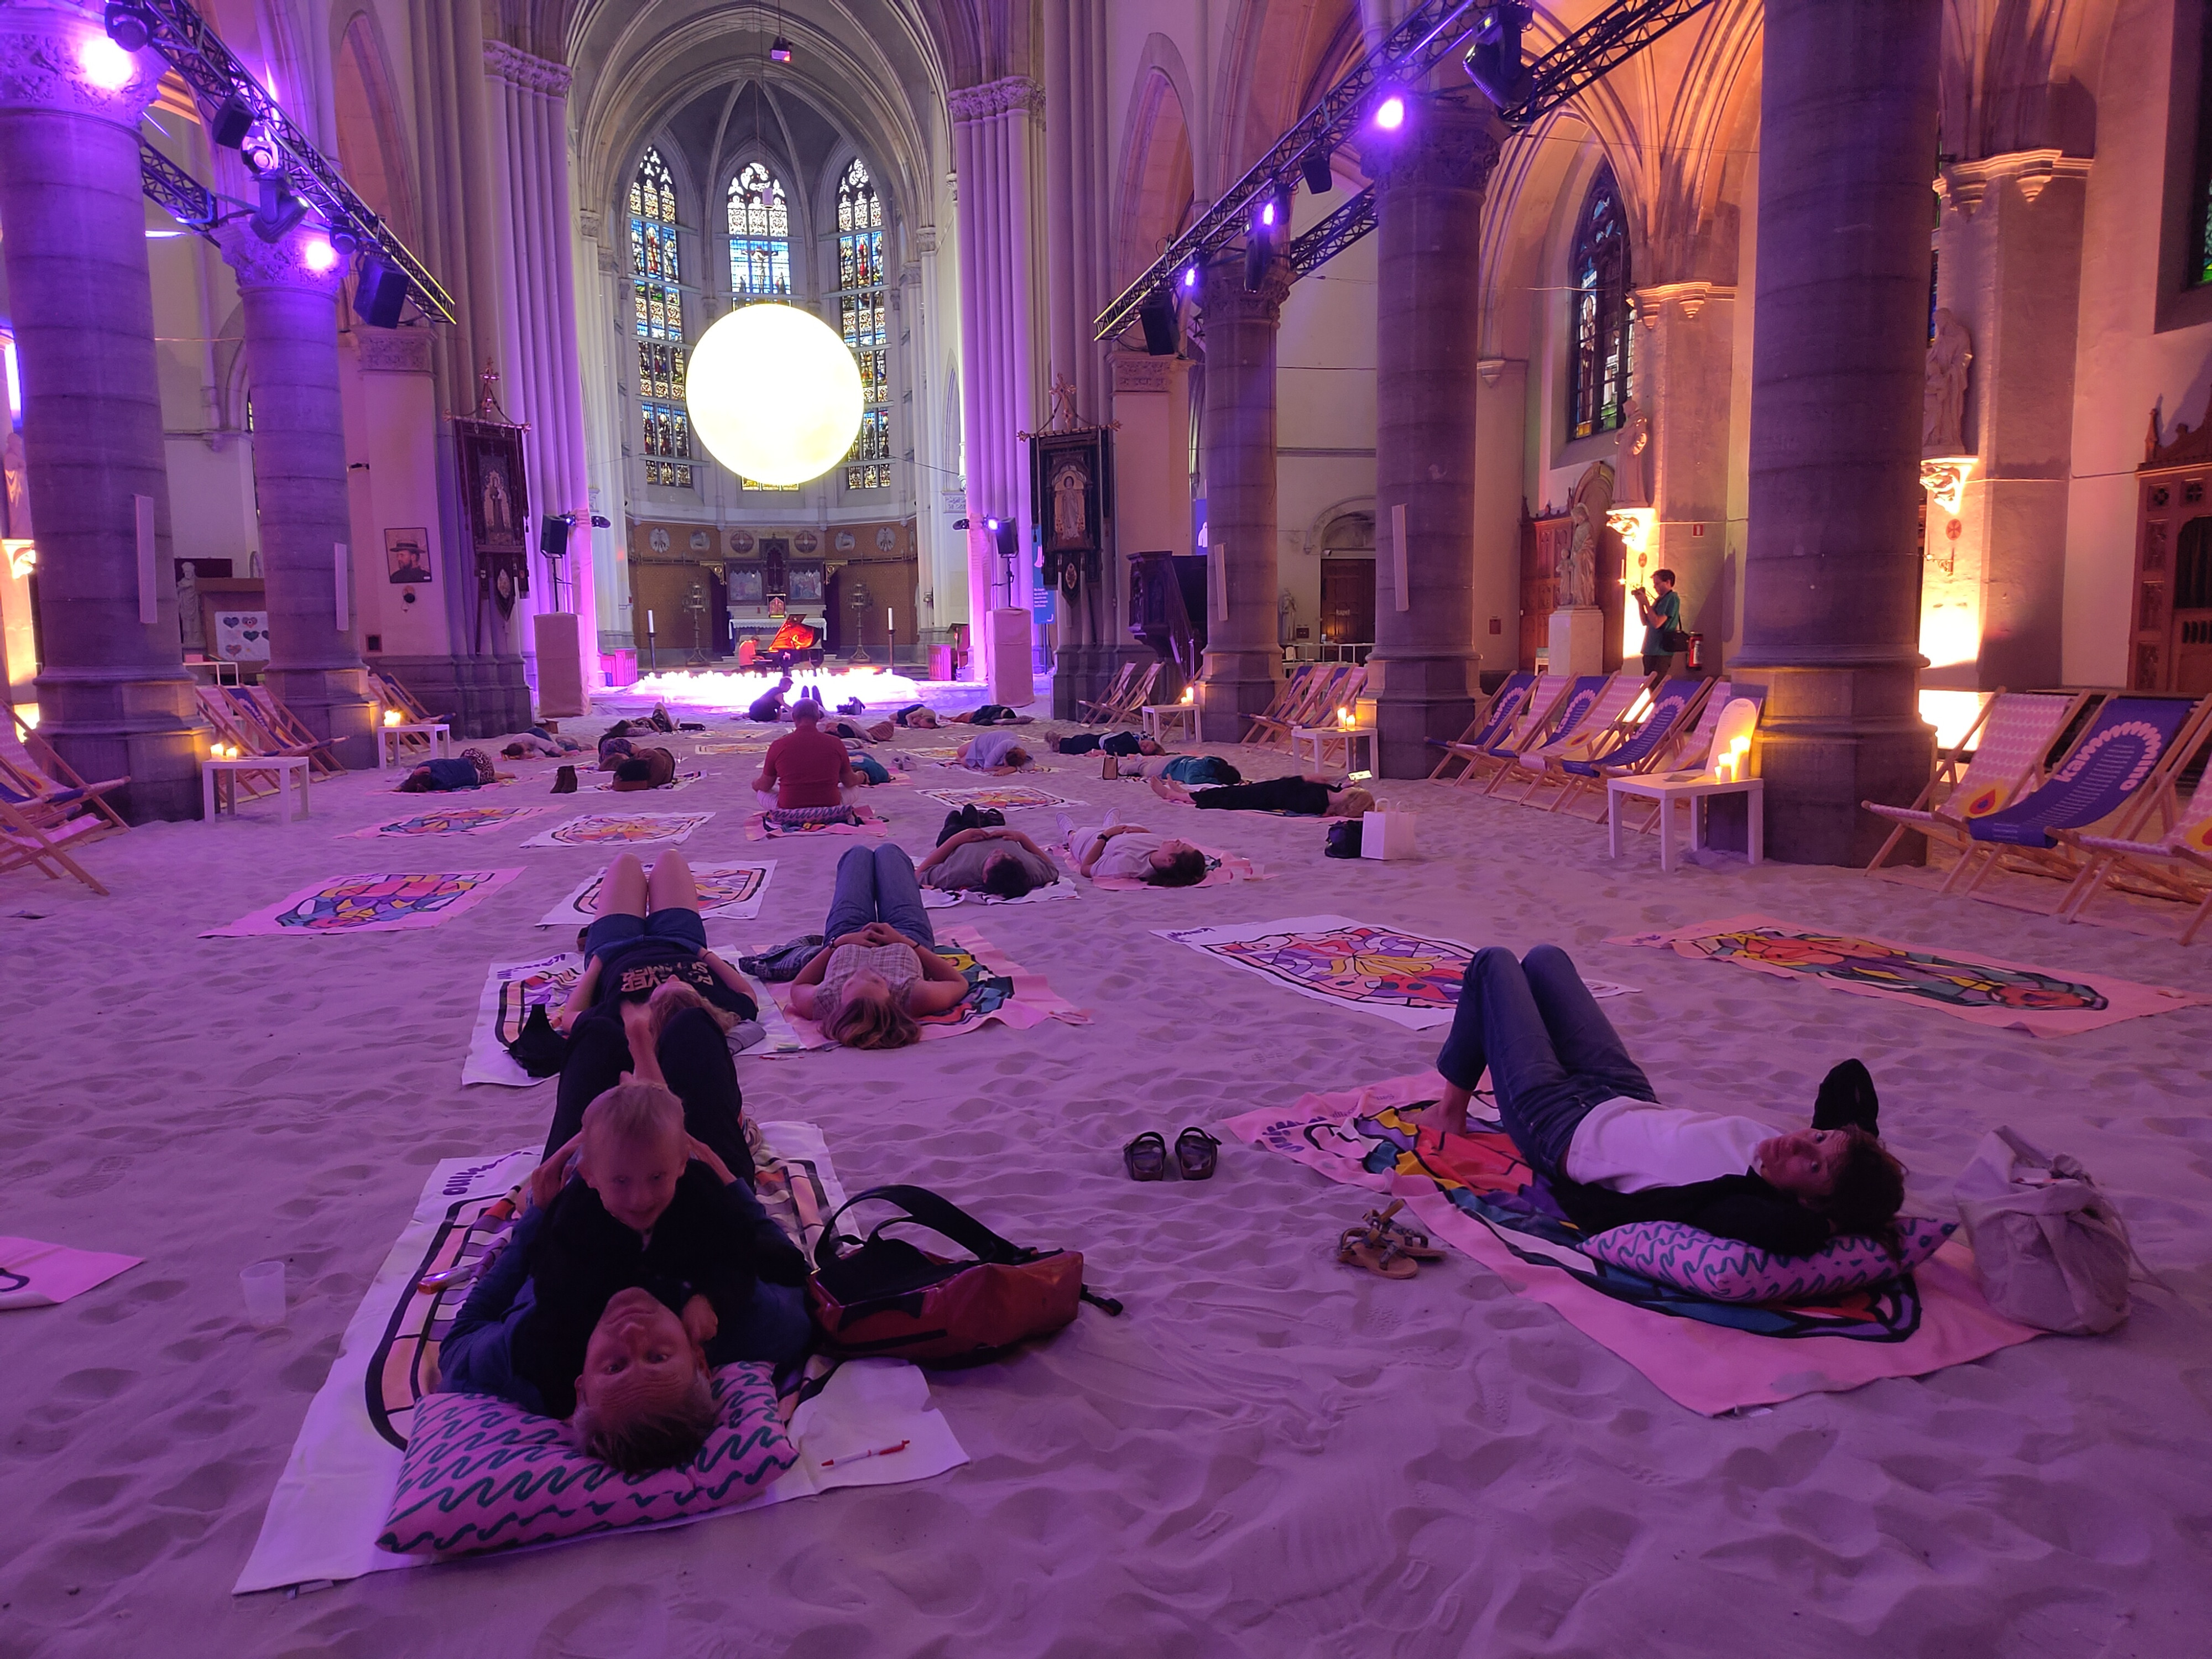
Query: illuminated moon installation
x: 774, y: 394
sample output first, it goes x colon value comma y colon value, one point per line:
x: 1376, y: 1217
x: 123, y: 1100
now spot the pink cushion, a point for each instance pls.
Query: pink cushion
x: 1727, y: 1270
x: 482, y: 1473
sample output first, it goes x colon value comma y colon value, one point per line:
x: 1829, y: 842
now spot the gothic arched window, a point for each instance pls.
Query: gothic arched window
x: 861, y: 320
x: 1602, y: 344
x: 760, y: 237
x: 656, y: 283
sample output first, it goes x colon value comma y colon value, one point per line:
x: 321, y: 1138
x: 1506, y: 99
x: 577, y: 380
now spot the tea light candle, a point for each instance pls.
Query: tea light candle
x: 391, y: 717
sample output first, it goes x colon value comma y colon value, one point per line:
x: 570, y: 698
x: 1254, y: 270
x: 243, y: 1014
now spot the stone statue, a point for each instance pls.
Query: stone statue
x: 1629, y: 462
x: 1943, y: 401
x: 1592, y: 501
x: 19, y: 488
x: 190, y: 626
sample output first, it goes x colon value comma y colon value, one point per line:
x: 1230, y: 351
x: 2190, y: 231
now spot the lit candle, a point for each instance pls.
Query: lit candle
x: 391, y: 717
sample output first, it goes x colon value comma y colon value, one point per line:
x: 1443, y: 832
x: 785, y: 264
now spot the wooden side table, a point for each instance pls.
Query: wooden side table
x: 387, y: 741
x: 1312, y: 743
x: 1696, y: 790
x: 1169, y: 722
x: 219, y: 779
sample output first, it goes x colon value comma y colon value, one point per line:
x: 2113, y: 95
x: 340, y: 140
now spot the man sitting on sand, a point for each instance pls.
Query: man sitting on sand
x: 805, y: 766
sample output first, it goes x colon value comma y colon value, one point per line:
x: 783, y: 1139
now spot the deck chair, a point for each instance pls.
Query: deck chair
x: 391, y: 694
x: 1139, y: 694
x: 1485, y: 717
x: 1691, y: 752
x: 2001, y: 755
x: 236, y: 724
x: 1672, y: 708
x: 51, y: 777
x: 2114, y: 772
x: 1315, y: 691
x: 36, y: 828
x: 2168, y: 857
x: 1278, y: 707
x: 1616, y: 718
x: 1112, y: 697
x: 1584, y: 720
x: 289, y: 728
x: 1547, y: 697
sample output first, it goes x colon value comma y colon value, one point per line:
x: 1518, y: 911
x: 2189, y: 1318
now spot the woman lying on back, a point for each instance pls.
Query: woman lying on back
x: 880, y: 968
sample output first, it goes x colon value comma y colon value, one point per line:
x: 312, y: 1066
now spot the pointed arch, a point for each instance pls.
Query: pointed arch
x: 757, y: 214
x: 366, y: 114
x: 1602, y: 334
x: 658, y: 321
x: 863, y: 321
x: 1158, y: 179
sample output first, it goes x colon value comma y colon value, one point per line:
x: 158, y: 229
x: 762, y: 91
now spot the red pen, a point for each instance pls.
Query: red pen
x: 854, y: 1457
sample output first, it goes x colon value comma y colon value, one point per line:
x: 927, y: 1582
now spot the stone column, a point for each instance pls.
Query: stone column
x: 1243, y: 662
x: 113, y: 696
x: 1430, y: 177
x: 1684, y: 377
x: 290, y: 310
x: 1832, y: 591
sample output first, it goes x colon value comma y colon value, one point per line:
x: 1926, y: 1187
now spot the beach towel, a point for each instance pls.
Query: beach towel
x: 999, y: 989
x: 944, y: 899
x: 620, y: 829
x: 727, y: 892
x: 1004, y: 796
x: 1986, y: 990
x: 1221, y: 869
x: 760, y: 827
x: 447, y: 821
x: 381, y: 902
x: 1712, y: 1357
x: 36, y: 1274
x: 336, y: 1487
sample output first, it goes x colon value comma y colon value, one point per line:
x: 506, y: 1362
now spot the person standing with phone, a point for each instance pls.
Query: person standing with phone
x: 1662, y: 623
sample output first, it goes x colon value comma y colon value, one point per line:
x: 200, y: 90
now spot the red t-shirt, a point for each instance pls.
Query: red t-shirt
x: 803, y: 767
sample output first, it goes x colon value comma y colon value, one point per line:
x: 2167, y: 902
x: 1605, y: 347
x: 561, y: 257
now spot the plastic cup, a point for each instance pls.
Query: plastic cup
x: 264, y: 1285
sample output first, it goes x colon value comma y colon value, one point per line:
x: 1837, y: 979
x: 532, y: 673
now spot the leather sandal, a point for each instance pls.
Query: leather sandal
x: 1196, y: 1153
x: 1409, y: 1241
x: 1356, y: 1248
x: 1146, y: 1157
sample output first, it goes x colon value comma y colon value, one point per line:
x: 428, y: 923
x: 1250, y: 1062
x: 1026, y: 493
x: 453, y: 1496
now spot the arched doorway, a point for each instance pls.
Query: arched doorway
x: 1347, y: 588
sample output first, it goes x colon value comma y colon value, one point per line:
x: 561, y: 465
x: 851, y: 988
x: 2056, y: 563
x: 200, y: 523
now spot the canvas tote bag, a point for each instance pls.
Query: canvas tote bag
x: 2052, y: 1248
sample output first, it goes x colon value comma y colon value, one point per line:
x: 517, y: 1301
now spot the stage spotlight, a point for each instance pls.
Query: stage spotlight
x: 1320, y: 178
x: 345, y: 239
x: 233, y: 120
x: 1189, y: 277
x: 1390, y: 113
x: 126, y: 25
x: 105, y: 64
x: 280, y: 212
x: 262, y: 153
x: 318, y: 255
x: 780, y: 49
x: 1494, y: 65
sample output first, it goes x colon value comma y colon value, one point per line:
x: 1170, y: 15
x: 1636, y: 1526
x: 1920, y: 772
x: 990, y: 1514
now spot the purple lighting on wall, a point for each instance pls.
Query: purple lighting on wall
x: 105, y: 64
x: 1390, y: 113
x: 1190, y: 276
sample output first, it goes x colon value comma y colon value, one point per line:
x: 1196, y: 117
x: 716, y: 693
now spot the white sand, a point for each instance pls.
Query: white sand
x: 1270, y: 1455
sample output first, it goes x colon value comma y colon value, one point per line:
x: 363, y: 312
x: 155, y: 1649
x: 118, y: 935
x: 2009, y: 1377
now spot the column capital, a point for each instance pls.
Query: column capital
x: 280, y: 265
x: 1687, y: 298
x: 521, y: 68
x: 1442, y: 143
x: 1013, y: 92
x: 1226, y: 295
x: 61, y: 60
x: 1962, y: 184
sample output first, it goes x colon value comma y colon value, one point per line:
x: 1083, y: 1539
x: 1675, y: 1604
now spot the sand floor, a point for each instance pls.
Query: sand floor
x: 1270, y: 1456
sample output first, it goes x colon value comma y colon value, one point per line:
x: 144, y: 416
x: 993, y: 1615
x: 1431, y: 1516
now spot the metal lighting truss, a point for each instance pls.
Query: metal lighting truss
x: 1429, y: 34
x: 208, y: 67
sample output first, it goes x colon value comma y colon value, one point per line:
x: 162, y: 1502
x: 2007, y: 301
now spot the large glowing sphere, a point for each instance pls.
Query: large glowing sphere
x: 774, y: 394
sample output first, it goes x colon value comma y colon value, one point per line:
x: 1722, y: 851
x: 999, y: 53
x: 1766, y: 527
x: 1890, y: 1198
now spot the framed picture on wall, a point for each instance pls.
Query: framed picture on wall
x: 805, y: 583
x: 407, y: 555
x: 745, y: 584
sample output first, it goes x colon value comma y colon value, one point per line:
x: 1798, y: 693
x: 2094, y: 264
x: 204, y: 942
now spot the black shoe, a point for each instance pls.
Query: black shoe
x: 564, y: 780
x: 1847, y: 1100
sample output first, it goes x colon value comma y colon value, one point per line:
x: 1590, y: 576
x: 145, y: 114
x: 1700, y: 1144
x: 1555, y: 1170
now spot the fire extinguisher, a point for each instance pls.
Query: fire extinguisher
x: 1697, y: 658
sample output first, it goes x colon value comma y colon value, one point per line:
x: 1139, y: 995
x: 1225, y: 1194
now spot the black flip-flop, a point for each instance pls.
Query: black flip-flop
x: 1146, y: 1157
x: 1196, y: 1152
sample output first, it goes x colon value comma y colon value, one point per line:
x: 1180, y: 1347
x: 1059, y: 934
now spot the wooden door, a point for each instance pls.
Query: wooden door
x: 1544, y: 542
x: 1347, y: 601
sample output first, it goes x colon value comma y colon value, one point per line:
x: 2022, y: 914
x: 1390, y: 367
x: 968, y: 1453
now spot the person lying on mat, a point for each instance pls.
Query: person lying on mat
x: 992, y: 859
x: 469, y: 770
x: 1192, y: 771
x: 649, y: 931
x: 638, y: 1267
x: 996, y: 752
x: 805, y: 766
x: 880, y: 968
x: 989, y: 714
x: 1586, y: 1118
x: 1133, y: 853
x: 1113, y: 743
x: 919, y: 715
x: 1308, y: 797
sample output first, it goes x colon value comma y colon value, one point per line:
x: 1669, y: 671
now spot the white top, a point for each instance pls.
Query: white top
x: 1128, y: 855
x: 1632, y: 1145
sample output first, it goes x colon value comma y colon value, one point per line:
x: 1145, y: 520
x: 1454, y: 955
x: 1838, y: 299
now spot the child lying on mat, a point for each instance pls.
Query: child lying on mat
x: 639, y: 1265
x: 1133, y: 853
x: 1585, y: 1116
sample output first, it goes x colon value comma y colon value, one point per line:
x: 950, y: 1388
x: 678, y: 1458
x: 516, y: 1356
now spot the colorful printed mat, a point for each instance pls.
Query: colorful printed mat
x: 999, y: 989
x: 1985, y: 990
x: 729, y: 749
x: 36, y: 1274
x: 731, y: 892
x: 447, y: 821
x: 941, y: 898
x: 1408, y: 978
x: 379, y: 903
x: 1711, y: 1356
x: 757, y: 828
x: 331, y: 1501
x: 681, y: 781
x: 1221, y: 869
x: 620, y: 829
x: 1005, y: 797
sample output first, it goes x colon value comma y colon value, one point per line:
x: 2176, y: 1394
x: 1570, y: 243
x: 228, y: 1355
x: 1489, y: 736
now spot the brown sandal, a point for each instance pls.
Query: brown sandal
x: 1358, y: 1248
x: 1410, y: 1241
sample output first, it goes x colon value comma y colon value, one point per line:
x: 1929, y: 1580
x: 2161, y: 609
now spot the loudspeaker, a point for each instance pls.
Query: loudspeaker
x: 233, y: 120
x: 1314, y: 164
x: 553, y: 537
x: 1008, y: 536
x: 1162, y: 335
x: 380, y: 293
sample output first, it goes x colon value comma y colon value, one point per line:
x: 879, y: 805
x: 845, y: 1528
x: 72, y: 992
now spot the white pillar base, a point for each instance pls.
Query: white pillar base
x: 1578, y: 640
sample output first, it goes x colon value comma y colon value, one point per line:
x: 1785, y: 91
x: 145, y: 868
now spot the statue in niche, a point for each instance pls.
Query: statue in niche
x: 1635, y: 440
x: 1592, y: 501
x: 1943, y: 400
x: 191, y: 629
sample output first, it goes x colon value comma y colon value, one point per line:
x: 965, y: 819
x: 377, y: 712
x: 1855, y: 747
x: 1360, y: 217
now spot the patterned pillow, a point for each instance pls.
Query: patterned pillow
x: 482, y: 1473
x: 1727, y: 1270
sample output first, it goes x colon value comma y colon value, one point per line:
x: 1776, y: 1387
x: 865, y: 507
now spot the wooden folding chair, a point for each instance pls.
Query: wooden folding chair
x: 1303, y: 690
x: 287, y: 728
x: 1547, y: 697
x: 237, y: 726
x: 392, y: 695
x: 1515, y: 685
x: 1576, y: 717
x: 1136, y: 696
x: 1116, y: 691
x: 1609, y: 725
x: 1673, y: 707
x: 2001, y: 756
x: 2168, y: 857
x: 54, y: 779
x: 36, y: 829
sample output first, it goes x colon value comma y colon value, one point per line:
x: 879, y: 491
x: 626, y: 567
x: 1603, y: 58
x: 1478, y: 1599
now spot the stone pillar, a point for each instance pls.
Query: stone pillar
x: 290, y: 310
x: 1832, y: 593
x: 1684, y: 377
x: 1429, y: 177
x: 113, y: 696
x: 2011, y: 268
x: 1243, y: 662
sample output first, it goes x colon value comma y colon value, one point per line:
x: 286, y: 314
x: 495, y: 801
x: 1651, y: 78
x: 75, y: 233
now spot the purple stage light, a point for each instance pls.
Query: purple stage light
x: 1190, y: 276
x: 1390, y: 113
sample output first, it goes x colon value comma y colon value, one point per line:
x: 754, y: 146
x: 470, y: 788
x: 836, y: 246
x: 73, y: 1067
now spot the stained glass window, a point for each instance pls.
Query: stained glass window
x: 860, y: 319
x: 1603, y: 355
x: 2200, y: 209
x: 656, y: 297
x: 760, y: 237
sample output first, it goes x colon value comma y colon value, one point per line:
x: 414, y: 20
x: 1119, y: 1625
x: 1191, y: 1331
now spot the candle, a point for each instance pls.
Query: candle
x: 391, y: 717
x: 649, y: 622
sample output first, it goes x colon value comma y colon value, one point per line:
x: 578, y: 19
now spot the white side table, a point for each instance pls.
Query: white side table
x: 1168, y: 722
x: 387, y: 741
x: 1312, y: 743
x: 219, y: 779
x: 1697, y: 790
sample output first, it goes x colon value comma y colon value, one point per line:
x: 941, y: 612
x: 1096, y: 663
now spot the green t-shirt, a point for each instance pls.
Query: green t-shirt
x: 1668, y: 611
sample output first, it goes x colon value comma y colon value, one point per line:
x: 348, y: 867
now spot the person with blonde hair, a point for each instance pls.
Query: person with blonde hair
x: 880, y: 969
x: 1305, y: 797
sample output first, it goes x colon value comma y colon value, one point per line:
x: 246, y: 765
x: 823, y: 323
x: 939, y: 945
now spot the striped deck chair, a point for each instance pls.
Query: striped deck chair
x: 1671, y: 707
x: 2002, y: 754
x: 235, y: 723
x: 289, y: 728
x: 391, y: 694
x: 1117, y: 689
x: 51, y: 777
x: 2168, y: 857
x: 1315, y: 693
x: 1273, y: 718
x: 1489, y: 722
x: 36, y: 828
x: 2114, y: 772
x: 1581, y: 726
x: 1138, y: 693
x: 1547, y: 697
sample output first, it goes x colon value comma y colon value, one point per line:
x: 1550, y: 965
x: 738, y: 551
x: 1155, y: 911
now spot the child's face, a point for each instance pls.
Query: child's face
x: 635, y: 1180
x: 639, y: 1356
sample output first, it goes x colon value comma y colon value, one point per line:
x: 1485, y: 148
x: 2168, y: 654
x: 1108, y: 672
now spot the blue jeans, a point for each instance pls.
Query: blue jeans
x: 879, y: 884
x: 1551, y: 1053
